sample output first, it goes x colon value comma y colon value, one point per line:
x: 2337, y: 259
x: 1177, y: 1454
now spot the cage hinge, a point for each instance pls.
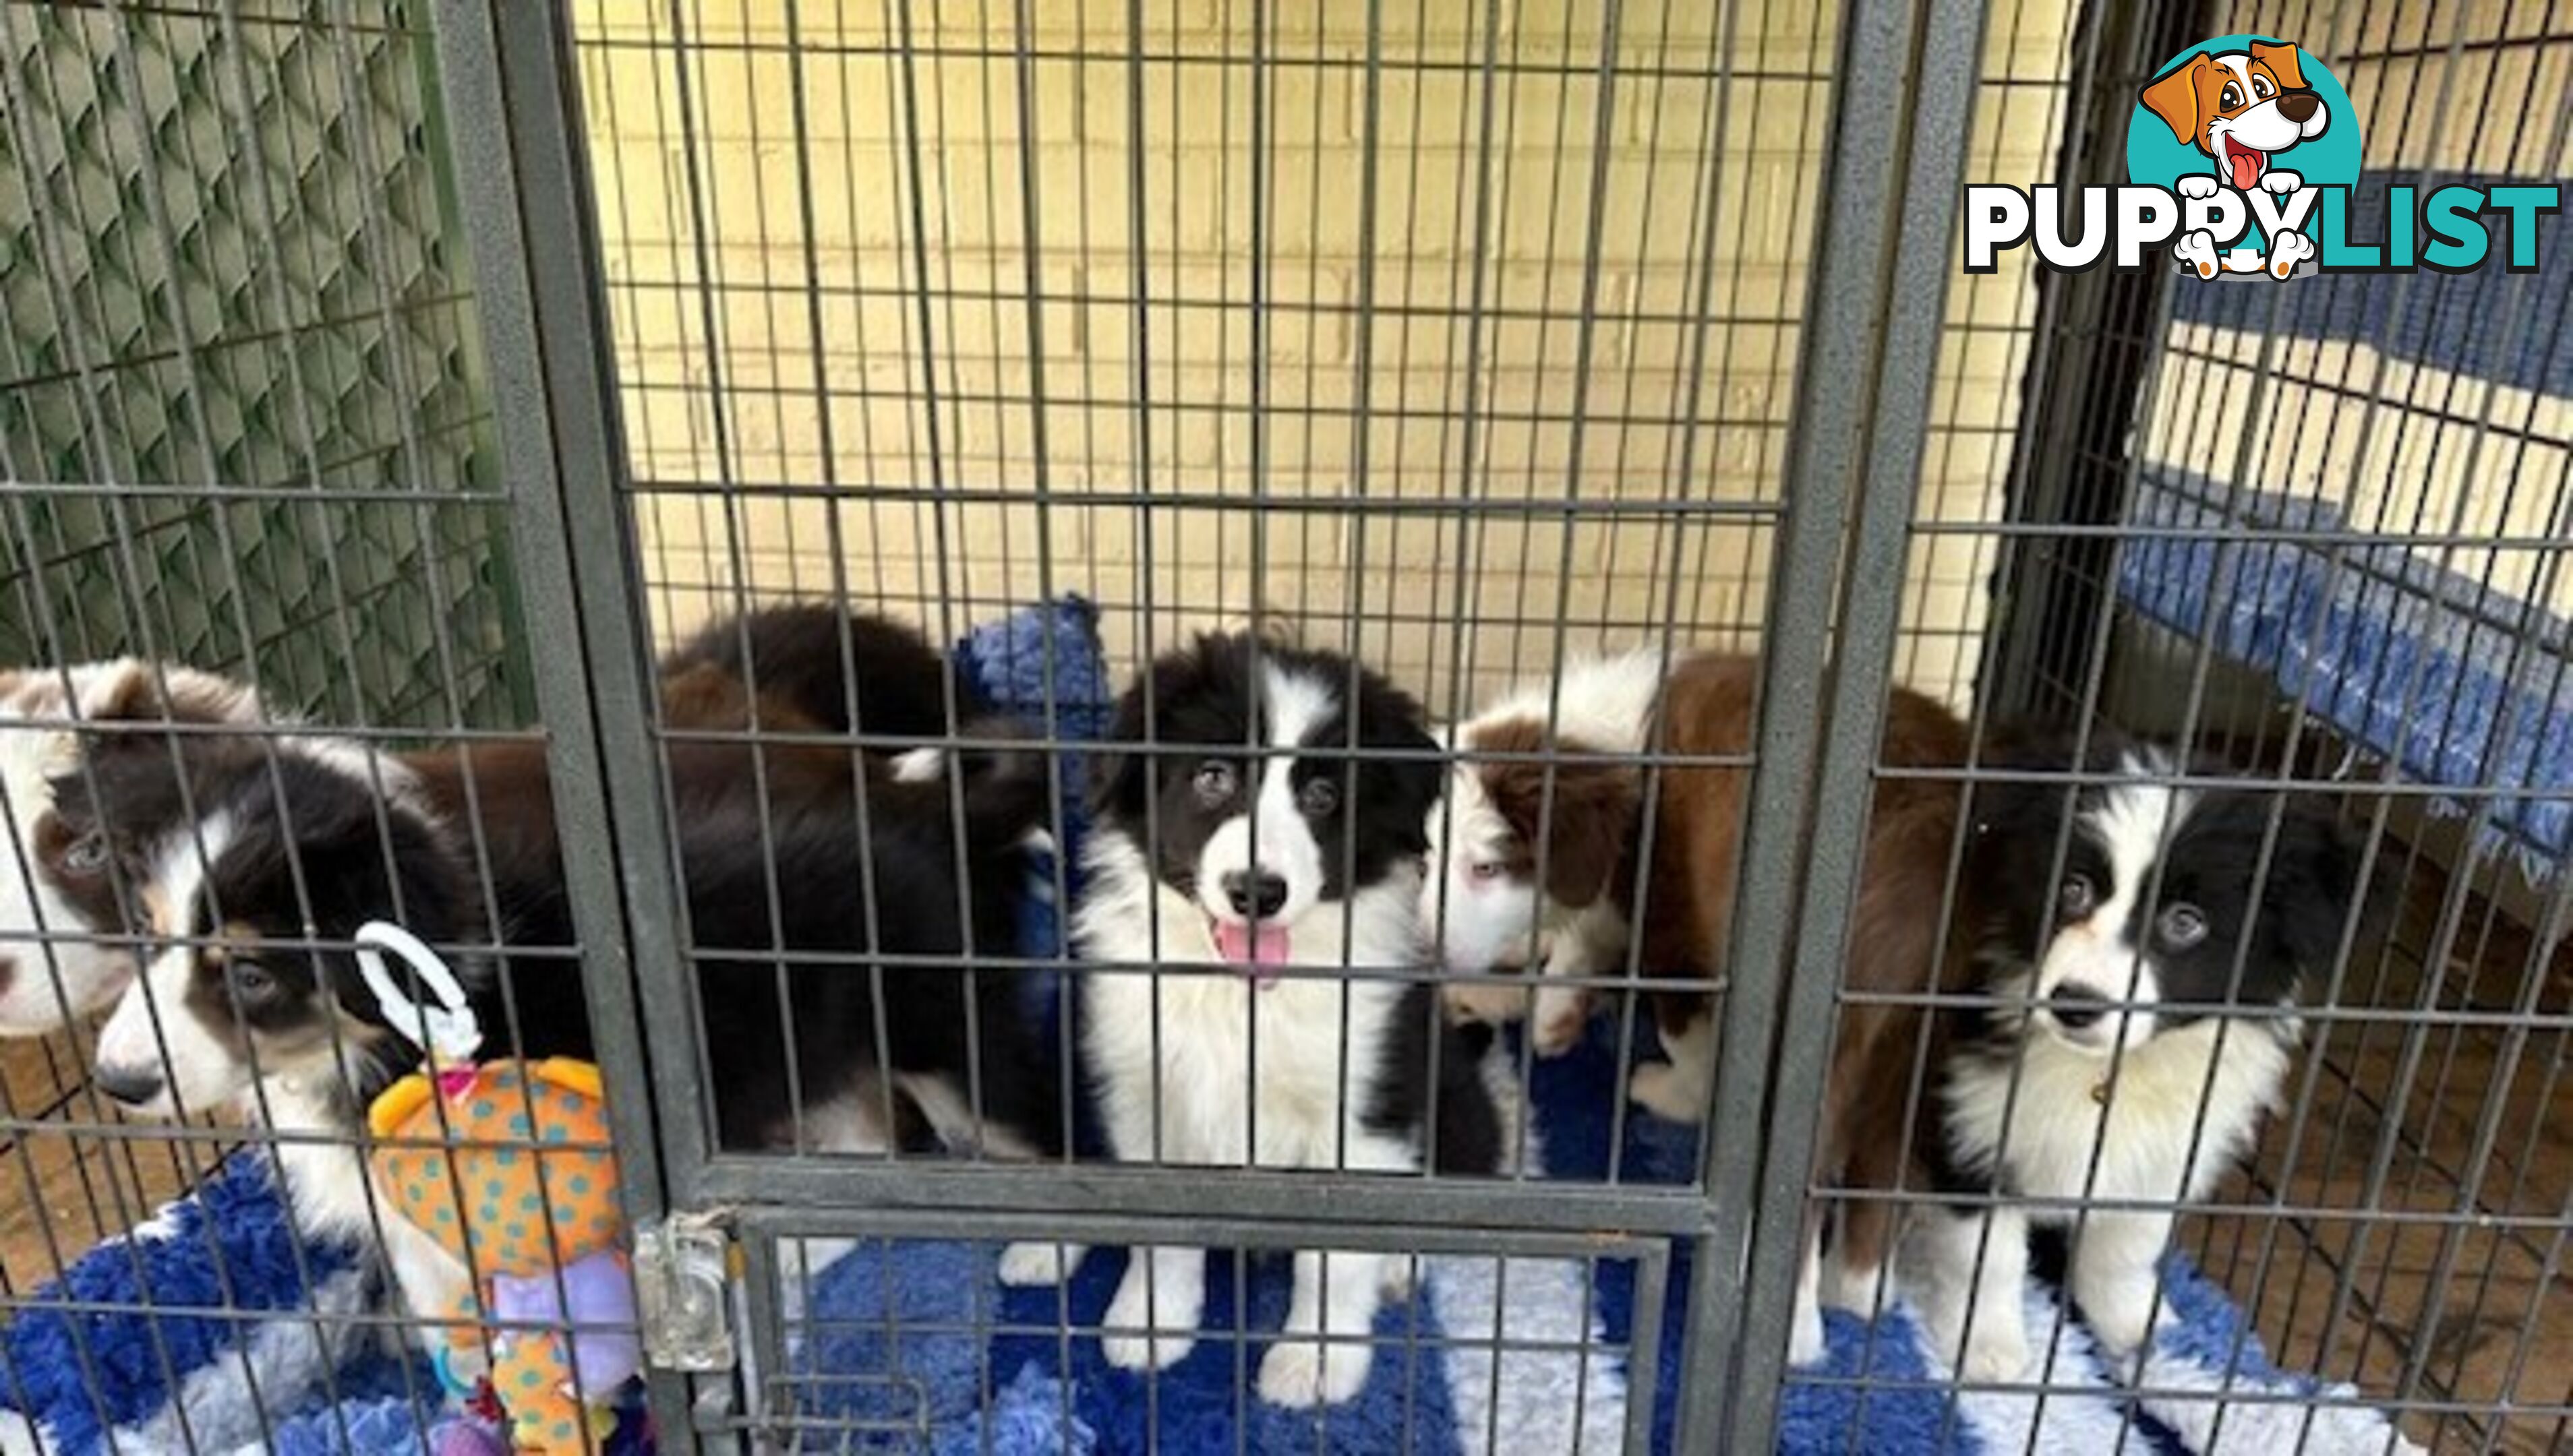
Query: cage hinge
x: 682, y: 1292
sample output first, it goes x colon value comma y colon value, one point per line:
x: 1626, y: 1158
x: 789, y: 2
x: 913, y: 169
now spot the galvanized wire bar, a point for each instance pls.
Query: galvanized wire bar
x: 503, y: 68
x: 1854, y: 237
x: 1929, y: 148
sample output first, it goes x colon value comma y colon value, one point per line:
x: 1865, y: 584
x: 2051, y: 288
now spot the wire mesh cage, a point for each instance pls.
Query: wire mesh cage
x: 1207, y: 725
x: 241, y: 430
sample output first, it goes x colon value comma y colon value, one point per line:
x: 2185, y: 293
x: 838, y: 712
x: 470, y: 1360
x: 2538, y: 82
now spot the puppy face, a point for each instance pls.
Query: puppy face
x: 2158, y: 899
x: 249, y: 997
x: 2241, y: 108
x: 1487, y: 897
x: 59, y: 876
x: 1254, y: 808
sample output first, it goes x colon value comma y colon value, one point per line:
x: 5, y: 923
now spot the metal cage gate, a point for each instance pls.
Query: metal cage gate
x: 1880, y: 240
x: 1481, y: 328
x: 1875, y: 305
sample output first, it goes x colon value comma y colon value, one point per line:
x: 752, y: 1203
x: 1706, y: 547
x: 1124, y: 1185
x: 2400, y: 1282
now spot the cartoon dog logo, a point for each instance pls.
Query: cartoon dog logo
x: 2241, y: 109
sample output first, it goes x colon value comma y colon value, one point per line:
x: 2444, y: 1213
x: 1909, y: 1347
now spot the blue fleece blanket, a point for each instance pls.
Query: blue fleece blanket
x: 915, y: 1347
x: 2462, y: 686
x: 892, y: 1360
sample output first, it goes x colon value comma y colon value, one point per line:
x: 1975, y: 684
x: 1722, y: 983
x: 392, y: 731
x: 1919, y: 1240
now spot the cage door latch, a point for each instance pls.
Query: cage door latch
x: 682, y: 1291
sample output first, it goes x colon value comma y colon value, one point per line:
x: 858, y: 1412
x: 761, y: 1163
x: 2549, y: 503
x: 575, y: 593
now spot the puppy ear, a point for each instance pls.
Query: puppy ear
x: 1276, y: 626
x: 2000, y: 808
x: 2284, y: 62
x: 1120, y: 783
x: 2174, y: 98
x: 2314, y: 884
x: 129, y: 690
x: 1125, y: 767
x: 1586, y: 829
x: 1398, y: 790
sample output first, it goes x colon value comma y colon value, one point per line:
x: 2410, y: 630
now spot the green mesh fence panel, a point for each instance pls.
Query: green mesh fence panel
x: 241, y: 422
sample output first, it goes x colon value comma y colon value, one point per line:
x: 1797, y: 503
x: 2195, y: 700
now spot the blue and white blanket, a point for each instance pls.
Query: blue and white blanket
x: 2464, y: 687
x: 917, y: 1342
x: 903, y: 1338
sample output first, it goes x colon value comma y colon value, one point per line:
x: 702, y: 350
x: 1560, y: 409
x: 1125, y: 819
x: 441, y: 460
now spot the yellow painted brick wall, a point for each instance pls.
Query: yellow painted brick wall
x: 824, y: 239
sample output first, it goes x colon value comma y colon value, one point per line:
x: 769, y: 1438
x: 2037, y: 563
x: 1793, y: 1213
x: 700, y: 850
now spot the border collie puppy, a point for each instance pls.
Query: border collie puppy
x: 791, y: 655
x: 59, y: 885
x: 256, y: 1017
x: 1484, y: 884
x: 1489, y: 902
x: 1241, y: 854
x: 2124, y: 957
x: 251, y: 1013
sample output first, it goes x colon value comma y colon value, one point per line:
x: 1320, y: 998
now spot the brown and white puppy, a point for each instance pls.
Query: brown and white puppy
x: 1528, y: 848
x: 62, y: 905
x: 1706, y: 710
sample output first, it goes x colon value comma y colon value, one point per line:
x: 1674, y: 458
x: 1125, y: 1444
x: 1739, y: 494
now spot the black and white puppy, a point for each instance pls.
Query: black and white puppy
x: 1246, y: 841
x: 2110, y: 980
x: 297, y: 841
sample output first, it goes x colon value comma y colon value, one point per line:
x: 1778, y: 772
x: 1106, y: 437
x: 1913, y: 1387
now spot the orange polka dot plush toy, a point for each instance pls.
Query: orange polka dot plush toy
x: 503, y: 1225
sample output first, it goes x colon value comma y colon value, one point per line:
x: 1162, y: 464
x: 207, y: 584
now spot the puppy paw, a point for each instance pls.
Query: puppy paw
x: 2282, y: 181
x: 2196, y: 184
x: 1806, y: 1345
x: 1026, y: 1265
x: 1993, y: 1352
x: 1860, y: 1291
x: 1557, y: 1030
x: 1995, y: 1348
x: 1303, y: 1373
x: 2125, y: 1325
x: 1662, y: 1090
x: 1132, y: 1340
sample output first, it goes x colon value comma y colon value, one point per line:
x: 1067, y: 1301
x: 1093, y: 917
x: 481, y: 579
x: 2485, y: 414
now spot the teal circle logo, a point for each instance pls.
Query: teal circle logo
x: 2249, y: 115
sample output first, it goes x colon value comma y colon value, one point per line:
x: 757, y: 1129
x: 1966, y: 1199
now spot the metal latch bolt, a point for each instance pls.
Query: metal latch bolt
x: 681, y: 1292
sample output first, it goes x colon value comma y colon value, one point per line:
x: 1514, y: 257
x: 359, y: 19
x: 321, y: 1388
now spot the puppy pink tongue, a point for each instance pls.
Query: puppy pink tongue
x: 1252, y: 947
x: 2246, y: 168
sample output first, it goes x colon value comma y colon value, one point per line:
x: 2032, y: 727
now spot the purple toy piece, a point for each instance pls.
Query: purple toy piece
x: 466, y: 1438
x: 597, y: 1301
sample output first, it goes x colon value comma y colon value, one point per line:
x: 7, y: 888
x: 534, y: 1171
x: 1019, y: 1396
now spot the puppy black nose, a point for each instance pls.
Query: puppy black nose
x: 2077, y: 1005
x: 132, y: 1086
x: 1255, y: 894
x: 2295, y: 106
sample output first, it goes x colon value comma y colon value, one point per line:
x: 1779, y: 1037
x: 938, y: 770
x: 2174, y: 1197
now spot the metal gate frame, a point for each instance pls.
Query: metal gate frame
x: 2098, y: 340
x: 1875, y: 313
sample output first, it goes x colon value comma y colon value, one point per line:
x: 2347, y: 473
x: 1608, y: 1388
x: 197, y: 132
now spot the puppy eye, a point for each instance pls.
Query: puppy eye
x: 86, y: 856
x: 2077, y: 896
x: 252, y: 982
x: 1487, y: 870
x: 2261, y: 86
x: 2232, y: 98
x: 1317, y: 798
x: 2183, y: 925
x: 1215, y: 781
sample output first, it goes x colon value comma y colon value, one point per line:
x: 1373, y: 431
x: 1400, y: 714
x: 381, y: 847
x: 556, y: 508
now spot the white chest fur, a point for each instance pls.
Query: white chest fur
x: 2149, y: 1138
x: 1205, y: 1065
